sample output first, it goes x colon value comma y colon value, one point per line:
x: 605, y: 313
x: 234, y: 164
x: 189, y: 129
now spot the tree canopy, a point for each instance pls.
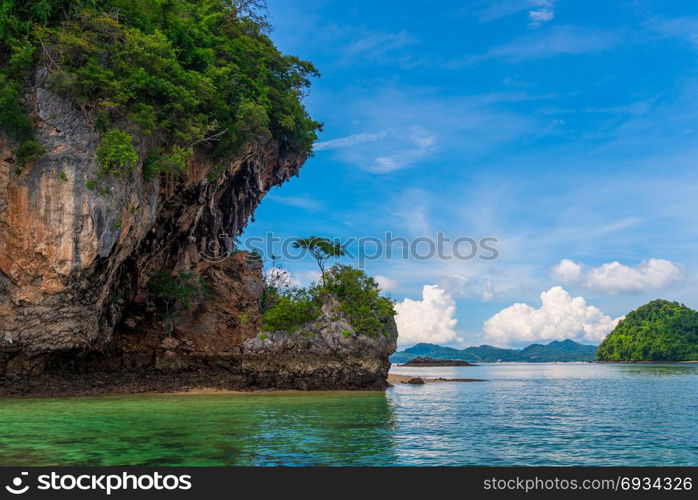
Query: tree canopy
x: 322, y: 250
x: 190, y: 74
x: 658, y: 331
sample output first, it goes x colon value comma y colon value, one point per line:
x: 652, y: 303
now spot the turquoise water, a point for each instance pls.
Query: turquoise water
x: 525, y: 414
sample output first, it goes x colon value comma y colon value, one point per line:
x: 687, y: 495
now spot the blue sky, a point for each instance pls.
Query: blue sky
x: 567, y: 130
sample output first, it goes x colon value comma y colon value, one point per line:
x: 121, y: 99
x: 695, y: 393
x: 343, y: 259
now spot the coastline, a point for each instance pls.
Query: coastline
x: 394, y: 379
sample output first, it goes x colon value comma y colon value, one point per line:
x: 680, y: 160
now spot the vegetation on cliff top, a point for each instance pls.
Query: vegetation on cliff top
x: 358, y: 294
x: 658, y: 331
x: 189, y: 74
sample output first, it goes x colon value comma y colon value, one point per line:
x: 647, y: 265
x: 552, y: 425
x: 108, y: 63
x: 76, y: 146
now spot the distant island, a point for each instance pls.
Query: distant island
x: 426, y: 361
x: 564, y: 350
x: 658, y: 331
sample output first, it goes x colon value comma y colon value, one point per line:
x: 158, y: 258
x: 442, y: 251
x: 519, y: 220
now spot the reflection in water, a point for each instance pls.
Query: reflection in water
x: 279, y: 429
x: 524, y: 414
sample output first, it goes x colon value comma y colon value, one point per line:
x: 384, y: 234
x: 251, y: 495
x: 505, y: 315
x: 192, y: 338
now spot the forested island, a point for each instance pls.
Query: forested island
x: 555, y: 351
x: 658, y: 331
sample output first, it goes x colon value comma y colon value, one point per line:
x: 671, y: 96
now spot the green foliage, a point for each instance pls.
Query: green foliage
x: 63, y: 177
x: 115, y: 153
x: 28, y: 151
x: 18, y: 49
x: 346, y: 333
x: 190, y: 73
x: 90, y: 185
x: 658, y: 331
x: 293, y: 309
x: 322, y: 250
x: 357, y: 293
x: 359, y: 298
x: 158, y: 161
x: 176, y: 293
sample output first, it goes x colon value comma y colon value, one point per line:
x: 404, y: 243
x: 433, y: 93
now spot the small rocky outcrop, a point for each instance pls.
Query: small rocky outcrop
x: 426, y: 361
x: 325, y: 354
x: 416, y: 381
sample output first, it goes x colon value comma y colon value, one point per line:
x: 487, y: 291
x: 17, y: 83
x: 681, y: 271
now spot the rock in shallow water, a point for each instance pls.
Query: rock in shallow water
x: 325, y: 354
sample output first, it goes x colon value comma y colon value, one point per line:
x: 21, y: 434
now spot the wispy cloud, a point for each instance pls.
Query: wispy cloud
x: 678, y: 27
x: 377, y: 44
x: 539, y: 11
x: 345, y: 142
x: 418, y: 144
x: 558, y: 40
x: 303, y: 202
x: 420, y: 124
x: 542, y: 14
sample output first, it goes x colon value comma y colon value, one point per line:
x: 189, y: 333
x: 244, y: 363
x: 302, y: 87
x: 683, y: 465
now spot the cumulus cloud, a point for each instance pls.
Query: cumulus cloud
x: 559, y: 317
x: 428, y: 320
x: 281, y: 278
x: 615, y: 278
x: 385, y: 283
x: 568, y: 271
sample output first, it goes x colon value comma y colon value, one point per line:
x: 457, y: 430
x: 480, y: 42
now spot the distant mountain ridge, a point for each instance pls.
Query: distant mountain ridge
x: 557, y: 350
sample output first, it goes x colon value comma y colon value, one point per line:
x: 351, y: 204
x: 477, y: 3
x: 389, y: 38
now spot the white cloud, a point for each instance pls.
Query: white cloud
x: 385, y: 283
x: 503, y: 8
x: 345, y: 142
x: 428, y: 320
x: 567, y: 271
x: 303, y: 202
x: 542, y: 15
x: 615, y: 278
x: 464, y: 286
x: 560, y: 316
x: 417, y: 144
x: 556, y: 41
x: 679, y: 27
x: 374, y: 45
x: 281, y: 278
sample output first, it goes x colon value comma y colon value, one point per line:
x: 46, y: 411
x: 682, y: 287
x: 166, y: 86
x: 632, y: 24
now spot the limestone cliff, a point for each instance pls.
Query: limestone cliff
x: 74, y: 260
x: 76, y: 316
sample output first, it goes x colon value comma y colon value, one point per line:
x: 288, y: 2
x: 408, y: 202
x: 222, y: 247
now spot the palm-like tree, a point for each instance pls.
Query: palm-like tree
x: 322, y: 250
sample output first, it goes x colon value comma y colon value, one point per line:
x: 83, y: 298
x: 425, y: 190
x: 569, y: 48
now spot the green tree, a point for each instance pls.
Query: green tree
x: 176, y: 293
x: 187, y: 76
x: 322, y: 250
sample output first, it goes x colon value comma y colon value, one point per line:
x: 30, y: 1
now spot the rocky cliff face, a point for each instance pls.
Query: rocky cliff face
x: 325, y: 354
x: 77, y: 250
x: 75, y: 257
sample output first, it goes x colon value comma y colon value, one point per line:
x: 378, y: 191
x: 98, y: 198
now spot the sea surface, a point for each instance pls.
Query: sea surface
x: 524, y: 414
